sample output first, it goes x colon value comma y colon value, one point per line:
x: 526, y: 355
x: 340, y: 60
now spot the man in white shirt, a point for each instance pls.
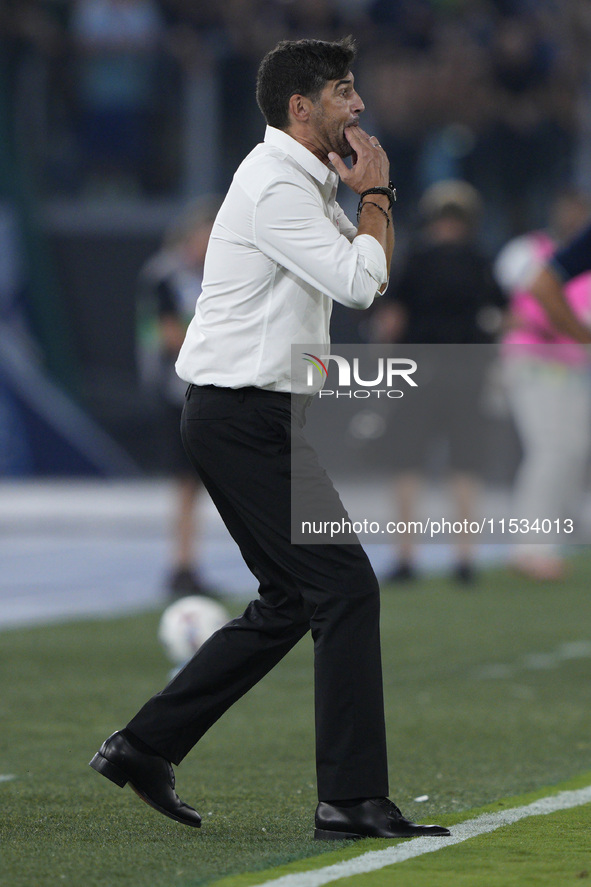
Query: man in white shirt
x: 281, y: 250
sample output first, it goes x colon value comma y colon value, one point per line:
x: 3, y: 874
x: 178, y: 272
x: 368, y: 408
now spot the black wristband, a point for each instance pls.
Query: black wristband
x: 371, y: 203
x: 389, y: 192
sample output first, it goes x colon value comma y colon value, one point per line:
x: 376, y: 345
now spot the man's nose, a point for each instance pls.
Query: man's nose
x: 357, y: 105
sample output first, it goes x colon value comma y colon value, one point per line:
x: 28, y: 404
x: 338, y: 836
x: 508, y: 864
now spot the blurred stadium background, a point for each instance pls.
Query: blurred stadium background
x: 114, y: 114
x: 106, y: 134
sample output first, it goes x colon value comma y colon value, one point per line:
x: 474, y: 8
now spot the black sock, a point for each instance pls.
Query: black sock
x: 348, y: 802
x: 138, y: 744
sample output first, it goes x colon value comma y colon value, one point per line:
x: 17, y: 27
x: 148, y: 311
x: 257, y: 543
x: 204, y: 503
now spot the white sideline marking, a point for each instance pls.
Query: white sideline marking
x: 6, y: 777
x: 377, y: 859
x: 535, y: 661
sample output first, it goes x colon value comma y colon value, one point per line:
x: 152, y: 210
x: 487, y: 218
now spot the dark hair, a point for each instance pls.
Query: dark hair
x: 303, y: 67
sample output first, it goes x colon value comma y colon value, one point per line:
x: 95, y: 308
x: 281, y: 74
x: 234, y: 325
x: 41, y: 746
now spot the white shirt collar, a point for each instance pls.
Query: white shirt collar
x: 300, y: 154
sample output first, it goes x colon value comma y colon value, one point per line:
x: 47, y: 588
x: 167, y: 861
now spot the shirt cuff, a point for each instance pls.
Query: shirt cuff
x: 374, y: 257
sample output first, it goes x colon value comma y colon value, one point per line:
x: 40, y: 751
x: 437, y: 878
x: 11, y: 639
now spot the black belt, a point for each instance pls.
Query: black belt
x: 298, y: 402
x: 239, y: 393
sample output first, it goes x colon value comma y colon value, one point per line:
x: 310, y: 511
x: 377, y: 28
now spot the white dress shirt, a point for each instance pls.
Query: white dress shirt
x: 280, y: 251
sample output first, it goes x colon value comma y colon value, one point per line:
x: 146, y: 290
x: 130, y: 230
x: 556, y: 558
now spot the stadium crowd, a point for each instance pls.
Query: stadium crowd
x: 497, y: 92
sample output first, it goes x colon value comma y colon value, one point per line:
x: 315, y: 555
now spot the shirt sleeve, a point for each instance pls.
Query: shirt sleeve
x: 344, y: 224
x: 290, y: 227
x: 575, y: 257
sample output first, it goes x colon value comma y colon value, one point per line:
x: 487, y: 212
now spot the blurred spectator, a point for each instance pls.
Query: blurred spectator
x: 29, y: 32
x: 313, y: 19
x: 170, y: 284
x: 116, y: 44
x: 27, y: 24
x: 396, y: 88
x: 492, y: 91
x: 579, y: 30
x: 458, y: 98
x: 460, y: 305
x: 410, y: 23
x: 525, y: 150
x: 548, y: 388
x: 198, y: 17
x: 446, y: 296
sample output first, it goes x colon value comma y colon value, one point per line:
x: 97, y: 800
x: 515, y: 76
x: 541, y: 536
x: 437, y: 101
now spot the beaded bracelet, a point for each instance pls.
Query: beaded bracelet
x: 371, y: 203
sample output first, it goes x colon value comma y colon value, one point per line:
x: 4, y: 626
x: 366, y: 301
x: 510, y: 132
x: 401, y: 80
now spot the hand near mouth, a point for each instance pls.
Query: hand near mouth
x: 371, y: 166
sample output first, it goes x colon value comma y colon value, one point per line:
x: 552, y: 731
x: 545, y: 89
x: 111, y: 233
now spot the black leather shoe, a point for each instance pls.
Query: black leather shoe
x: 150, y: 776
x: 374, y: 818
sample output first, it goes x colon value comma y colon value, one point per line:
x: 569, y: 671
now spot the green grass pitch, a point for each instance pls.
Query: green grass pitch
x: 488, y: 696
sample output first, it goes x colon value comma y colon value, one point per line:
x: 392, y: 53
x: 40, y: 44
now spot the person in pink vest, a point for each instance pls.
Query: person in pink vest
x: 548, y: 386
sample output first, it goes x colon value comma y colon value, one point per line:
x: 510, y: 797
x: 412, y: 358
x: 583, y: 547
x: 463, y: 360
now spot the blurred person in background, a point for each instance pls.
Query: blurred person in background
x: 526, y: 147
x: 169, y: 286
x: 399, y: 96
x: 116, y: 44
x: 32, y: 43
x: 547, y: 383
x: 445, y: 295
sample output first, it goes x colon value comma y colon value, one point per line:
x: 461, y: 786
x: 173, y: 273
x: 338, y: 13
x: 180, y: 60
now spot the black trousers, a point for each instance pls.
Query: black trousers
x: 239, y: 441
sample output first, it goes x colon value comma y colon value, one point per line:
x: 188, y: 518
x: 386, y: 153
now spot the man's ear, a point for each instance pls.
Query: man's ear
x: 300, y: 108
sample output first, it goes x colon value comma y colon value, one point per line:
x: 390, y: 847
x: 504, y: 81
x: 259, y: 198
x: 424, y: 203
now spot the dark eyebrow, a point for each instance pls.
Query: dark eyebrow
x: 347, y: 81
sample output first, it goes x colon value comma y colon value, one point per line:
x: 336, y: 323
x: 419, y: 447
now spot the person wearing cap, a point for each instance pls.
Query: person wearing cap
x: 445, y: 295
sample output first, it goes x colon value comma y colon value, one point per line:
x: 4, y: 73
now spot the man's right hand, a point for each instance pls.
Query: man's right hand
x: 371, y: 167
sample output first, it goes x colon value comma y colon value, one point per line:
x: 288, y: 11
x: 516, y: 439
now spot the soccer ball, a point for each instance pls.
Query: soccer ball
x: 187, y: 624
